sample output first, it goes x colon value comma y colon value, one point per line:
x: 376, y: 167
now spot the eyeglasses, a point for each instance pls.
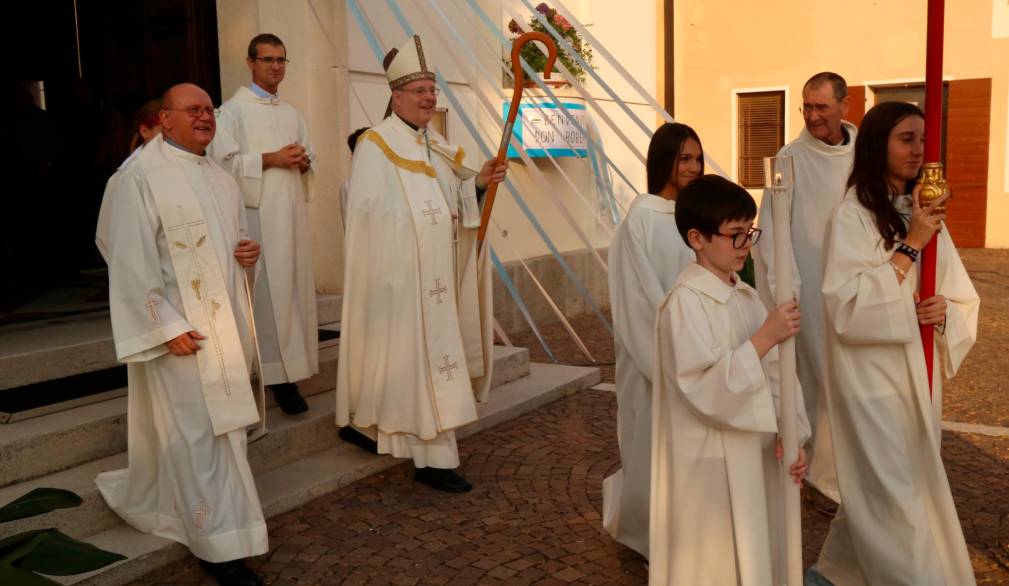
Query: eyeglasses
x: 821, y: 109
x: 282, y: 61
x: 421, y: 92
x: 739, y: 240
x: 196, y: 111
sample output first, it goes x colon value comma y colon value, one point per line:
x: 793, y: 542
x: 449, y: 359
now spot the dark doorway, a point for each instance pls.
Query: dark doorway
x: 81, y: 70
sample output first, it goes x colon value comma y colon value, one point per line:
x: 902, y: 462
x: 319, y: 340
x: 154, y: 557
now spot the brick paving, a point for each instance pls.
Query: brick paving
x: 532, y: 518
x: 534, y: 515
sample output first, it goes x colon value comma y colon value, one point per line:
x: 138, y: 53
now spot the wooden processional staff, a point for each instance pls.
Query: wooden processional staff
x: 513, y: 109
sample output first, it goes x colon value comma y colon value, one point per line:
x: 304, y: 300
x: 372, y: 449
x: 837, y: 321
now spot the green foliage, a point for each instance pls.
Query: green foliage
x: 47, y: 551
x: 537, y: 59
x: 37, y: 502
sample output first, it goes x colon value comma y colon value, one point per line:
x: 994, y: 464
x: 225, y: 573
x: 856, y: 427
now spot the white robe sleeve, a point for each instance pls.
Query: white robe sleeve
x: 724, y: 388
x: 765, y: 248
x: 637, y: 296
x: 963, y: 304
x: 771, y: 361
x: 246, y: 168
x: 136, y: 283
x: 864, y: 303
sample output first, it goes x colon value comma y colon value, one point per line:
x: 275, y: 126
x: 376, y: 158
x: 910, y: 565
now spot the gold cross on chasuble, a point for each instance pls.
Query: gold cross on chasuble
x: 448, y: 367
x: 431, y: 212
x: 438, y: 290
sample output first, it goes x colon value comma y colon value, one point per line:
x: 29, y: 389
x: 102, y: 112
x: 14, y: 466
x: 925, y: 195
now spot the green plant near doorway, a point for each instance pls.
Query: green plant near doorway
x: 24, y: 557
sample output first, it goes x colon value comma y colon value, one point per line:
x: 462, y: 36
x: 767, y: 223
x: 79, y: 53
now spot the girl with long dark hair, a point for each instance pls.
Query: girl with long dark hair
x: 897, y: 523
x: 645, y: 257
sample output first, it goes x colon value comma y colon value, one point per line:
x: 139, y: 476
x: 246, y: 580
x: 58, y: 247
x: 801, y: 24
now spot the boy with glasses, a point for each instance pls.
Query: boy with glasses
x: 716, y: 480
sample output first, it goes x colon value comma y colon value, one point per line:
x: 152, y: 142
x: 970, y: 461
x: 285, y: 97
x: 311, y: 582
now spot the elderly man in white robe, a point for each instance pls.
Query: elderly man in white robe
x: 417, y: 323
x: 822, y: 156
x: 645, y: 257
x: 897, y: 522
x: 264, y: 142
x: 182, y: 322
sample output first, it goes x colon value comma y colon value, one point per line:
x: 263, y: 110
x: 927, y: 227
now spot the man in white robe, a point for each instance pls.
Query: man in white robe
x: 181, y: 320
x: 897, y: 522
x: 264, y: 142
x: 645, y: 257
x: 417, y: 324
x: 716, y: 508
x: 822, y: 156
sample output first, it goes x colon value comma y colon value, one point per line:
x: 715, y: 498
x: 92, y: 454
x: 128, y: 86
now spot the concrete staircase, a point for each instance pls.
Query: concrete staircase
x: 301, y: 458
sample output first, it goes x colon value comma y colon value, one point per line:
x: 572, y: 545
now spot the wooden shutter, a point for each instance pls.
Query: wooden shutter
x: 856, y: 104
x: 967, y: 134
x: 760, y: 132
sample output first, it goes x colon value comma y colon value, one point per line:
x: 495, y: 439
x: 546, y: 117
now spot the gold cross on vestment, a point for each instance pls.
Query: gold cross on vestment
x: 448, y: 367
x: 187, y: 226
x: 201, y: 513
x: 152, y: 305
x: 196, y: 272
x: 431, y: 212
x: 438, y: 290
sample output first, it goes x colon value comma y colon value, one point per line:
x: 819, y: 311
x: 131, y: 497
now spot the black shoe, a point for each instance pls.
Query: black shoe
x: 289, y: 399
x: 233, y: 573
x: 352, y: 436
x: 442, y: 479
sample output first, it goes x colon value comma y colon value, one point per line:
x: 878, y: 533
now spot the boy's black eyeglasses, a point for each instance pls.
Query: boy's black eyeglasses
x: 739, y: 240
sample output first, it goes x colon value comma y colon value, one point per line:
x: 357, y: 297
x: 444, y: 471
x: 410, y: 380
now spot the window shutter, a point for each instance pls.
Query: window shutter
x: 761, y: 133
x: 967, y: 144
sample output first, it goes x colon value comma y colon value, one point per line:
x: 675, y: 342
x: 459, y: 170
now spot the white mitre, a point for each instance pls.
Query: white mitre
x: 406, y: 64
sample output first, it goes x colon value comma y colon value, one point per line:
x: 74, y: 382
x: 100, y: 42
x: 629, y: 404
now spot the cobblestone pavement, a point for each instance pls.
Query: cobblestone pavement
x: 534, y: 516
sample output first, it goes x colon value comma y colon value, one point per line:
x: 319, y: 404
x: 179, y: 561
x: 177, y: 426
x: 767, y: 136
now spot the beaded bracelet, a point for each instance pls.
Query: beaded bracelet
x: 900, y: 271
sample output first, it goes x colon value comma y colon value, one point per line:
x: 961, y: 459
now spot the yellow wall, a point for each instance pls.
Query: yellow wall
x: 724, y: 46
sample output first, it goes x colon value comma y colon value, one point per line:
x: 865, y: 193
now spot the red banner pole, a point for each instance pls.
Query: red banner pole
x: 933, y: 152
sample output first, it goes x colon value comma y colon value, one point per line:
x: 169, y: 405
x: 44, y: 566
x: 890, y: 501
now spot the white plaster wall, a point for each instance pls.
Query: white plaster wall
x: 330, y: 57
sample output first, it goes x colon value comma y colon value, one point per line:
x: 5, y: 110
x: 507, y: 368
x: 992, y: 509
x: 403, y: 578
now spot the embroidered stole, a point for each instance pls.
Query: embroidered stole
x: 206, y: 303
x: 433, y: 226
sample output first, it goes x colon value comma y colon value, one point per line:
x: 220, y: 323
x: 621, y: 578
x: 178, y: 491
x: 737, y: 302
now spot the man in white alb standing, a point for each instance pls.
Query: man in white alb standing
x: 822, y: 157
x: 264, y: 142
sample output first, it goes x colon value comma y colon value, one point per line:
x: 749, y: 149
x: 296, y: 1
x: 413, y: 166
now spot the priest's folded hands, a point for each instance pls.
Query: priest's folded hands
x: 291, y: 156
x: 247, y: 252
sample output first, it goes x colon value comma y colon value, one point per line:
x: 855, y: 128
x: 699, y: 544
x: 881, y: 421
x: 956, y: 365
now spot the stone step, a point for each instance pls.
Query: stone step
x: 57, y: 441
x: 289, y: 438
x: 33, y: 352
x: 302, y: 480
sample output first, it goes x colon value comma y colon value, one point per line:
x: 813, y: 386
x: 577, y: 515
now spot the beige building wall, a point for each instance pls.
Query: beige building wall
x: 723, y: 47
x: 609, y: 21
x: 336, y: 82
